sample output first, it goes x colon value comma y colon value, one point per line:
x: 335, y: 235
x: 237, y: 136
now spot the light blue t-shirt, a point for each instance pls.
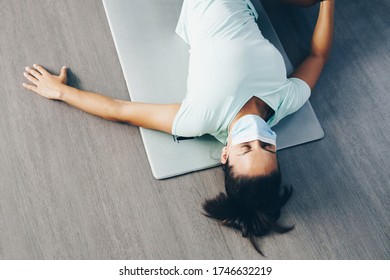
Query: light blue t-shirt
x: 230, y: 62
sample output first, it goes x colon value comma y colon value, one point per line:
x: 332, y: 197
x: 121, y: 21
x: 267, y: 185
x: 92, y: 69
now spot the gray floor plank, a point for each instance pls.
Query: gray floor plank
x: 73, y: 186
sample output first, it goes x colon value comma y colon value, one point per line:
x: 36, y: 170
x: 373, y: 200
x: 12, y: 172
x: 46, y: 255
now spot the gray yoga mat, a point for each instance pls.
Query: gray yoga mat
x: 154, y: 61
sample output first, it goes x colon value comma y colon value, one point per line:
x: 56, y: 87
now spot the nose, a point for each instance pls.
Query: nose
x: 258, y: 144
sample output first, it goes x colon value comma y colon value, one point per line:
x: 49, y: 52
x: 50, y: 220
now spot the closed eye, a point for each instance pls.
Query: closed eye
x: 268, y: 147
x: 246, y: 148
x: 265, y: 146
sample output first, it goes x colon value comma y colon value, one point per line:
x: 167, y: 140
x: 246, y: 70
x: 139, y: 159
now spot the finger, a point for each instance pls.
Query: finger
x: 41, y: 69
x: 30, y: 78
x: 30, y: 87
x: 34, y: 73
x: 63, y: 71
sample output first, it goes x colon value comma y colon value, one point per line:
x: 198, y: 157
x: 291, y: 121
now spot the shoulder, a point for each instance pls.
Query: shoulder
x: 192, y: 120
x: 295, y: 94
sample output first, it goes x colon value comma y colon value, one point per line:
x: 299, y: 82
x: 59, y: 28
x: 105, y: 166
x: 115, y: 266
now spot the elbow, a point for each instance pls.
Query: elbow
x: 321, y: 53
x: 320, y: 56
x: 116, y: 112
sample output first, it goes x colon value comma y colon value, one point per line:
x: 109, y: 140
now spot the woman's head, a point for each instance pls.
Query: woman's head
x: 253, y: 200
x: 251, y: 146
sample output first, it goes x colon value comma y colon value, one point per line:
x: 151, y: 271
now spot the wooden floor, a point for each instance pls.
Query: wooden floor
x: 73, y: 186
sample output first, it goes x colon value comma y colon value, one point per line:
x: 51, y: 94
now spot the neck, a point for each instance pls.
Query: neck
x: 254, y: 106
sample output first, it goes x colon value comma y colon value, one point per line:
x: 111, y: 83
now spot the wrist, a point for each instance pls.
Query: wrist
x: 62, y: 92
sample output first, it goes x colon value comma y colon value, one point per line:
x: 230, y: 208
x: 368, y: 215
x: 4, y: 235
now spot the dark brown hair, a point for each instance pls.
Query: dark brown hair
x: 251, y: 205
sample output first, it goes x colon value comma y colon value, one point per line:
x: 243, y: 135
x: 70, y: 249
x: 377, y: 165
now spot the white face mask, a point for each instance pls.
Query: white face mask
x: 252, y: 127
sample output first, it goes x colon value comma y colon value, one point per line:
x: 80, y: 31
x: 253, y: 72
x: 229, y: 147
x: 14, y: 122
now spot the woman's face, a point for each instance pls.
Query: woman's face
x: 252, y: 158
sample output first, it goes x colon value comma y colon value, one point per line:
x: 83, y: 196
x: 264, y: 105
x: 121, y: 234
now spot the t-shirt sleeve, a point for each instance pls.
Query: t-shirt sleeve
x: 192, y: 120
x: 297, y: 93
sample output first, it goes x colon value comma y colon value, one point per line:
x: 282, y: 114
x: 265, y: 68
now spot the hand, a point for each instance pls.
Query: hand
x: 44, y: 83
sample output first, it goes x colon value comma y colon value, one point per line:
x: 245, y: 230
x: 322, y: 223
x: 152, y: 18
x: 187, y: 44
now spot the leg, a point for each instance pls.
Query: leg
x: 302, y: 3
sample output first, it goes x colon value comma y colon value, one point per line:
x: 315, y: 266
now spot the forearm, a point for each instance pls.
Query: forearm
x: 322, y: 39
x: 90, y: 102
x: 153, y: 116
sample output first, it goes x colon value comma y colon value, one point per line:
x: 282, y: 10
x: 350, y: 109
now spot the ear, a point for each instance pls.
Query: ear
x: 224, y: 155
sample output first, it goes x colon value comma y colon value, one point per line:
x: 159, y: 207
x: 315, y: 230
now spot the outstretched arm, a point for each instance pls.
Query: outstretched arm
x: 153, y: 116
x: 310, y: 69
